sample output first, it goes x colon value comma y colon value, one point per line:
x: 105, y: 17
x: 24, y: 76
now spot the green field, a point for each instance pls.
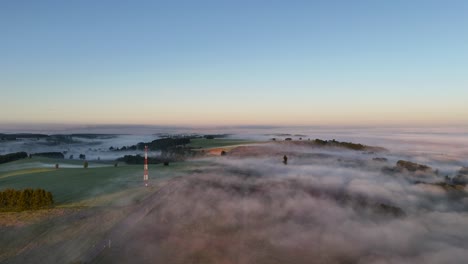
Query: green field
x: 217, y: 142
x: 71, y: 184
x: 77, y: 185
x: 89, y: 203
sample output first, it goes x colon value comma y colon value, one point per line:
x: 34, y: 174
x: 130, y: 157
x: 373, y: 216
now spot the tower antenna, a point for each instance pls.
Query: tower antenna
x: 145, y: 175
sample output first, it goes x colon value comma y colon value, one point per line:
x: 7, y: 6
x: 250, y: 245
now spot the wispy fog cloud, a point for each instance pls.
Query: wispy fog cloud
x: 258, y: 210
x: 325, y: 206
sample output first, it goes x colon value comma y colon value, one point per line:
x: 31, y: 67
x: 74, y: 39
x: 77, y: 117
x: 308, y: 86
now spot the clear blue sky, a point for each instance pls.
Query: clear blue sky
x: 234, y: 62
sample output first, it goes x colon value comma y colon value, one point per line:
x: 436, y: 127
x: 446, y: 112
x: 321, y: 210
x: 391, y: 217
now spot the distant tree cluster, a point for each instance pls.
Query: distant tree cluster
x: 27, y: 199
x: 17, y: 136
x: 92, y: 136
x: 61, y: 139
x: 138, y: 159
x: 133, y: 159
x: 213, y: 136
x: 12, y: 157
x: 171, y: 150
x: 462, y: 177
x: 124, y: 148
x: 411, y: 166
x: 334, y: 143
x: 52, y: 155
x: 164, y: 143
x: 158, y: 144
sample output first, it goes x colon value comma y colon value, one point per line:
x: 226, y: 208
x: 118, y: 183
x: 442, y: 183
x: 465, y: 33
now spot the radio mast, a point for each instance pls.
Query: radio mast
x: 145, y: 175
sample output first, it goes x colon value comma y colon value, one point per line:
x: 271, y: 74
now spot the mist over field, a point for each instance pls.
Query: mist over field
x: 448, y: 145
x: 328, y: 204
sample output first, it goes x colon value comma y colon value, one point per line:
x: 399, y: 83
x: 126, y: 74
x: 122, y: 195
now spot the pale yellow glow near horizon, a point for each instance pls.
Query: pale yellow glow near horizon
x: 226, y: 114
x: 239, y: 109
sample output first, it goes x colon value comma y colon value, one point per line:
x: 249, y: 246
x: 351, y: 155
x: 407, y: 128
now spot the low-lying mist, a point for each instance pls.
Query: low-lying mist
x: 325, y: 205
x: 338, y: 207
x: 96, y: 147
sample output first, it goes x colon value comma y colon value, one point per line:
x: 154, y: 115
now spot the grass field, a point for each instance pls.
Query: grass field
x: 76, y: 185
x: 88, y: 203
x: 71, y: 184
x: 217, y: 142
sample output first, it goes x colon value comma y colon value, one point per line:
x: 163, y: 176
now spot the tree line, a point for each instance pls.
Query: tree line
x: 12, y: 157
x: 138, y: 159
x: 26, y: 199
x: 22, y: 155
x: 17, y: 136
x: 164, y: 143
x: 334, y: 143
x: 52, y: 155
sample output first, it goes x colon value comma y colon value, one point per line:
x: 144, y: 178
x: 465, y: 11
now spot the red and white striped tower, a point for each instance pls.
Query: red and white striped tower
x: 145, y: 176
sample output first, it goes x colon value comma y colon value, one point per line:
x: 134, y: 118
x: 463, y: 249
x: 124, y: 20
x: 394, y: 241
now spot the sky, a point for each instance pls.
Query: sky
x: 234, y: 62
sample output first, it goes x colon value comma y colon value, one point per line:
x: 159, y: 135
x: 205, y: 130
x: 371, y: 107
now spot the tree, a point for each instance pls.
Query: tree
x: 49, y: 201
x: 37, y: 199
x: 25, y: 199
x: 3, y: 200
x: 82, y: 157
x: 44, y: 198
x: 12, y: 197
